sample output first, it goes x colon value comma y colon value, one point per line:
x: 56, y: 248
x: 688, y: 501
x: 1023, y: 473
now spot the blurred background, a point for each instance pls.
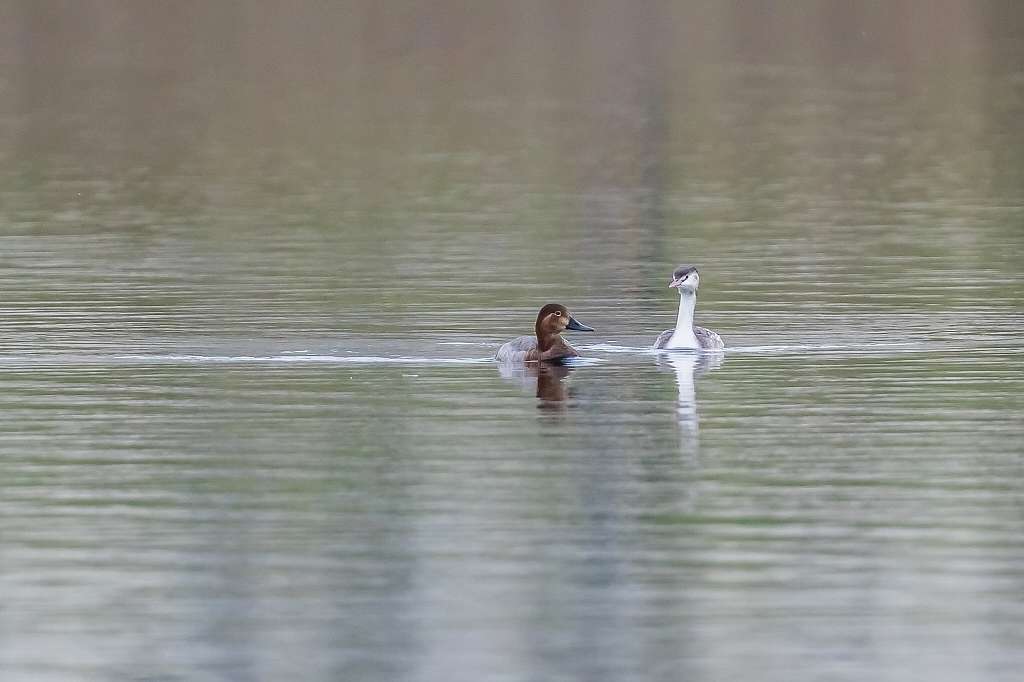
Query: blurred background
x: 254, y: 257
x: 588, y: 146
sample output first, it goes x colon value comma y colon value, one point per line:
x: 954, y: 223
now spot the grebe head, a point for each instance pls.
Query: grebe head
x: 554, y: 318
x: 686, y: 279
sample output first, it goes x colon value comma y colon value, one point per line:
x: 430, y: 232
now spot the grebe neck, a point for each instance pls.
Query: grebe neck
x: 683, y: 336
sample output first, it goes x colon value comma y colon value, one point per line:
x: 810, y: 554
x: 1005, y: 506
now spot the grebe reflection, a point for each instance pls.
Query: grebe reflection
x: 673, y: 478
x: 687, y: 366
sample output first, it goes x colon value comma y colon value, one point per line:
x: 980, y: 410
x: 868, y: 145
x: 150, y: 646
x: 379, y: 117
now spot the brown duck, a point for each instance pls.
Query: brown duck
x: 548, y: 344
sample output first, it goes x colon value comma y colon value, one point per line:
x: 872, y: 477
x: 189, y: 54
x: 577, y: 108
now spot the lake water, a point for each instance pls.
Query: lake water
x: 254, y: 265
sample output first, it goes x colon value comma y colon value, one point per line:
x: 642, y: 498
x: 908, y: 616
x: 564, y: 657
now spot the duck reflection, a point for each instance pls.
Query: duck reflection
x: 547, y: 381
x: 551, y: 387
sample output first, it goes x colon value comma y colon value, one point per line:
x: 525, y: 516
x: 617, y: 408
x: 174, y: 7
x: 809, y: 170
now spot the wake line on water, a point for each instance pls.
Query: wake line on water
x: 300, y: 358
x: 781, y: 349
x: 297, y: 358
x: 304, y: 359
x: 68, y: 360
x: 327, y: 359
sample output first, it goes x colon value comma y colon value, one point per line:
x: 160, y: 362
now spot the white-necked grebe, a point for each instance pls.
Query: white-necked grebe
x: 687, y: 336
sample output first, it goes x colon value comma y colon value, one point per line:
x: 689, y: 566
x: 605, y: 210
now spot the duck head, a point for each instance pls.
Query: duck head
x: 552, y: 320
x: 686, y: 279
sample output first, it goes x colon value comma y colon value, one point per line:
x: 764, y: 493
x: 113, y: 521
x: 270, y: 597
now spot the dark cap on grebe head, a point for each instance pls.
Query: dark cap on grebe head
x: 684, y: 278
x: 682, y: 271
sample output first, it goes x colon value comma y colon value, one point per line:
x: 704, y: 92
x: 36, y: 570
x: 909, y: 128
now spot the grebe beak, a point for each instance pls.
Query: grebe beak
x: 676, y: 283
x: 576, y: 326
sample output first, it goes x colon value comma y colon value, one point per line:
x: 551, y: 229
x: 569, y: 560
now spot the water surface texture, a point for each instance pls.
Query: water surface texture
x: 255, y: 260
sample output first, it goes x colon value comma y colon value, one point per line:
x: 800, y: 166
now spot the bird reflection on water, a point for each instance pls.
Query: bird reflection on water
x: 673, y: 478
x: 687, y: 366
x: 552, y: 390
x: 545, y: 379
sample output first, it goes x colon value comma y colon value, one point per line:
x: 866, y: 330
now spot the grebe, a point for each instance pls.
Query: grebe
x: 686, y: 335
x: 548, y: 344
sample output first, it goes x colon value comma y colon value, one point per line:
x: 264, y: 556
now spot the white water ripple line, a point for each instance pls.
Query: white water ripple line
x: 781, y: 349
x: 305, y: 359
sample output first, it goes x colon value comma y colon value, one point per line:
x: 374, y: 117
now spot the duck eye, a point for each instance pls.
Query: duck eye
x: 558, y: 313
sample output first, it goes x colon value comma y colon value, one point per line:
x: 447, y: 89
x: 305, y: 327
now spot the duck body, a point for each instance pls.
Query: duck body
x: 686, y: 335
x: 526, y: 349
x: 547, y: 345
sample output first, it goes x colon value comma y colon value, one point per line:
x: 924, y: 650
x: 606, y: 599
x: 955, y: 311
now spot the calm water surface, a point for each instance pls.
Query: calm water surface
x: 250, y: 425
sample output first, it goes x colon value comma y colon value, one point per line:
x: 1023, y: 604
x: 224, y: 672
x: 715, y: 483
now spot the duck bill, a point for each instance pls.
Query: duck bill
x: 577, y: 327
